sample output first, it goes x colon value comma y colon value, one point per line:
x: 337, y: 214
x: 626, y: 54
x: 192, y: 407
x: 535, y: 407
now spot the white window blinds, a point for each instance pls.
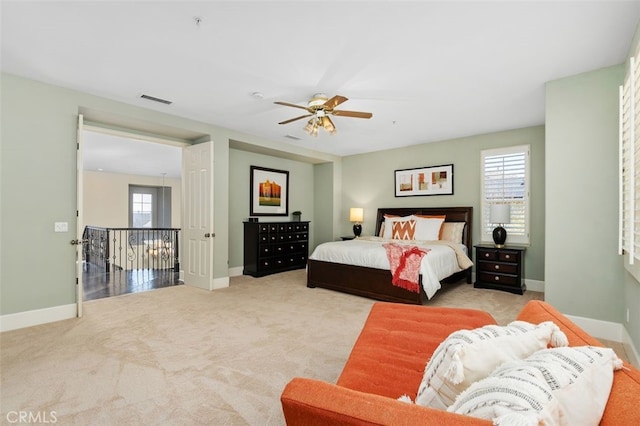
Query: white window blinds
x: 629, y: 238
x: 505, y: 180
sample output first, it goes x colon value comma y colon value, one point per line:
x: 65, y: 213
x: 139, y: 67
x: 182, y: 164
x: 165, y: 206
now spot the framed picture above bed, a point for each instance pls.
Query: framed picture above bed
x: 269, y: 192
x: 432, y: 180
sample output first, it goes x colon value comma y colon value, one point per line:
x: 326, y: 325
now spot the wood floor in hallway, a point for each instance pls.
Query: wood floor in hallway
x: 98, y: 284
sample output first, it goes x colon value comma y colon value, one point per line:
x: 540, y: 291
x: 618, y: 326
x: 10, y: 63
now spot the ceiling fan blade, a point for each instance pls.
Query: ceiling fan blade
x: 335, y: 101
x: 291, y: 105
x: 356, y: 114
x: 294, y: 119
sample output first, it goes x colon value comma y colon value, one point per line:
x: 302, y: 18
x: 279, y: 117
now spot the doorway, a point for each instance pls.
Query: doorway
x: 142, y: 234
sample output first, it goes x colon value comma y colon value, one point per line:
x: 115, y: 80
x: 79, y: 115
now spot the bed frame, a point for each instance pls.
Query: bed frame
x: 376, y: 283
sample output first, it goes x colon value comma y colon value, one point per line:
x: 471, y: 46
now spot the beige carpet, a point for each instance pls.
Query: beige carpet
x: 181, y: 355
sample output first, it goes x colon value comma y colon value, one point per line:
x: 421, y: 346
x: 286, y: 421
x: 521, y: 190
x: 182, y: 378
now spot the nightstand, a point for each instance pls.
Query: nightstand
x: 500, y: 268
x: 350, y: 237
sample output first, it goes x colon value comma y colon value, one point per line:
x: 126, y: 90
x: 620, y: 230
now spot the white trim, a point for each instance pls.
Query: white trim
x: 534, y: 285
x: 219, y: 283
x: 37, y: 316
x: 610, y: 331
x: 630, y: 349
x: 236, y: 272
x: 598, y: 328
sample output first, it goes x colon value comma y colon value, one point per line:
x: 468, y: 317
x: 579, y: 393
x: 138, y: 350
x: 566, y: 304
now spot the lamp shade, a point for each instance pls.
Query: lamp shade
x: 500, y: 213
x: 356, y: 214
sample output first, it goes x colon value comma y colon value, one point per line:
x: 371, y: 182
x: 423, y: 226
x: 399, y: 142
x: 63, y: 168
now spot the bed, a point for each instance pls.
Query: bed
x: 376, y: 283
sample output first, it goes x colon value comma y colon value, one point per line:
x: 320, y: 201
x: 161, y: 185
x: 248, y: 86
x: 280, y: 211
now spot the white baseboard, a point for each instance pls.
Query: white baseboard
x: 610, y: 331
x: 220, y: 283
x: 534, y: 285
x: 236, y: 271
x: 37, y: 317
x: 630, y: 349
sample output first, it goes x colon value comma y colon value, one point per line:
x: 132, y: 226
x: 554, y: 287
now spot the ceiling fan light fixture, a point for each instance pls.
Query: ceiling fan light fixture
x: 328, y: 125
x: 318, y: 100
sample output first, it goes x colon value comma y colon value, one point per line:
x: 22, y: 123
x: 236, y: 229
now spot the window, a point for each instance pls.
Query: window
x: 149, y: 207
x: 142, y: 210
x: 505, y: 180
x: 629, y: 134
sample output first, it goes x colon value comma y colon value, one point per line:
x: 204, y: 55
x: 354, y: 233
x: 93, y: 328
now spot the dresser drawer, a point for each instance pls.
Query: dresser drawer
x: 488, y: 277
x: 499, y: 267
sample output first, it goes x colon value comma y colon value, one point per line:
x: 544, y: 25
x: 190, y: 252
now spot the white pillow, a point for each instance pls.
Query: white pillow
x: 388, y: 225
x: 561, y: 386
x: 467, y: 356
x: 427, y: 229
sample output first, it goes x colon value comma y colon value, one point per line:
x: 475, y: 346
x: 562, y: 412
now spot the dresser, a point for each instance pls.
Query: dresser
x: 500, y: 268
x: 271, y: 247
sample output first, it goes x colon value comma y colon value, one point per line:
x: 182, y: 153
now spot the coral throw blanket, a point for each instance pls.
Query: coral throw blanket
x: 405, y: 265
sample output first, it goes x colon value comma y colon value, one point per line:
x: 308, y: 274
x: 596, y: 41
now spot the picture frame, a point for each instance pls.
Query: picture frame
x: 432, y: 180
x: 269, y: 192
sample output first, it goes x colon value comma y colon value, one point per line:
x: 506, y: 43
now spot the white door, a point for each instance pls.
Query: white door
x: 197, y: 215
x: 79, y: 222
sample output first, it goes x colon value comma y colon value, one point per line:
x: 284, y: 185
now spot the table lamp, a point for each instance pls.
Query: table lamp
x: 500, y: 214
x: 356, y: 215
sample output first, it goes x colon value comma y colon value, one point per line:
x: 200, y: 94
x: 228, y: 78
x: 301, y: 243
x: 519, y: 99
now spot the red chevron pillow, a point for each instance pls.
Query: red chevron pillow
x: 403, y: 230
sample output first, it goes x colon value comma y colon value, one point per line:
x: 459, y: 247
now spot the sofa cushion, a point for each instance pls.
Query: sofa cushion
x: 388, y: 357
x: 563, y: 386
x: 467, y: 356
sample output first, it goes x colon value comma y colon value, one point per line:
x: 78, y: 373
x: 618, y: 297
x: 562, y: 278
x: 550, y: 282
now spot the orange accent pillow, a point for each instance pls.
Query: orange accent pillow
x: 403, y: 230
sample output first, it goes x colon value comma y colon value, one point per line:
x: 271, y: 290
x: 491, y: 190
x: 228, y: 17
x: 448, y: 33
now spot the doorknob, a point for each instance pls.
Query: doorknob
x: 208, y: 235
x: 79, y: 242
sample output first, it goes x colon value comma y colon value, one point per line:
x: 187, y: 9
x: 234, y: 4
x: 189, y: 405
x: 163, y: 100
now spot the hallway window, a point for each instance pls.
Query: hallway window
x: 149, y: 206
x: 142, y: 210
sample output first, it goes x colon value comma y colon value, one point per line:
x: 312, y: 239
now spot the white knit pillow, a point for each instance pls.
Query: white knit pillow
x: 467, y: 356
x: 561, y: 386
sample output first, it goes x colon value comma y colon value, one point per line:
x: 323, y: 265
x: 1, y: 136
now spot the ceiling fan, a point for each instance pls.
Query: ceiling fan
x: 319, y: 108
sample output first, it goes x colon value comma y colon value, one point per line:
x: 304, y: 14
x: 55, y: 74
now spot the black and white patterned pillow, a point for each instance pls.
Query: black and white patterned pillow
x: 467, y: 356
x: 559, y: 386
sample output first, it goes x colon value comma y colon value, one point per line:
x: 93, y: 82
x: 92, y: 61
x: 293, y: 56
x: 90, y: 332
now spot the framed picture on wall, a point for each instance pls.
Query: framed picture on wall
x: 269, y: 192
x: 434, y: 180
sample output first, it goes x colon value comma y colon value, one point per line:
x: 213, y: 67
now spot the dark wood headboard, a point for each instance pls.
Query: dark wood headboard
x: 453, y: 214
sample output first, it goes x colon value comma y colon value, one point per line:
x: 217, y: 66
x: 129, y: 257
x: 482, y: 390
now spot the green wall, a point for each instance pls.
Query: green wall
x: 368, y: 181
x: 584, y: 273
x: 38, y: 178
x: 301, y: 195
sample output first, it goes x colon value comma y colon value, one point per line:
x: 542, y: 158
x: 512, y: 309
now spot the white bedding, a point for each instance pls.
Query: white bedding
x: 439, y: 263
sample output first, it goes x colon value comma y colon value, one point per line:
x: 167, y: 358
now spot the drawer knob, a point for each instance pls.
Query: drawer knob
x: 497, y: 278
x: 486, y: 255
x: 507, y: 256
x: 497, y: 266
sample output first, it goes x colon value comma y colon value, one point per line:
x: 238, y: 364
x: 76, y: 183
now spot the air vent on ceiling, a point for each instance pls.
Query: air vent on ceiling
x: 295, y: 138
x: 153, y: 98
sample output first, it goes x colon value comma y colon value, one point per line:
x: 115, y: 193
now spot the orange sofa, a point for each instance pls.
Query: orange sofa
x: 388, y: 360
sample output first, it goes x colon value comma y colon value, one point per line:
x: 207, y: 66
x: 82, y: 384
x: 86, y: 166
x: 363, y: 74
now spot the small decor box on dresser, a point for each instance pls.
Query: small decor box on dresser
x: 271, y: 247
x: 500, y: 268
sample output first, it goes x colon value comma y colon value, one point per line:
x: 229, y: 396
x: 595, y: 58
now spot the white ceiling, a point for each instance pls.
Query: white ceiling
x: 426, y: 70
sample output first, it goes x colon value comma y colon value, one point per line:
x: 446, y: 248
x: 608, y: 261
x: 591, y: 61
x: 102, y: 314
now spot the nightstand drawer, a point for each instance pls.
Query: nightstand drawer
x: 485, y: 254
x: 509, y: 256
x: 488, y: 277
x: 499, y: 267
